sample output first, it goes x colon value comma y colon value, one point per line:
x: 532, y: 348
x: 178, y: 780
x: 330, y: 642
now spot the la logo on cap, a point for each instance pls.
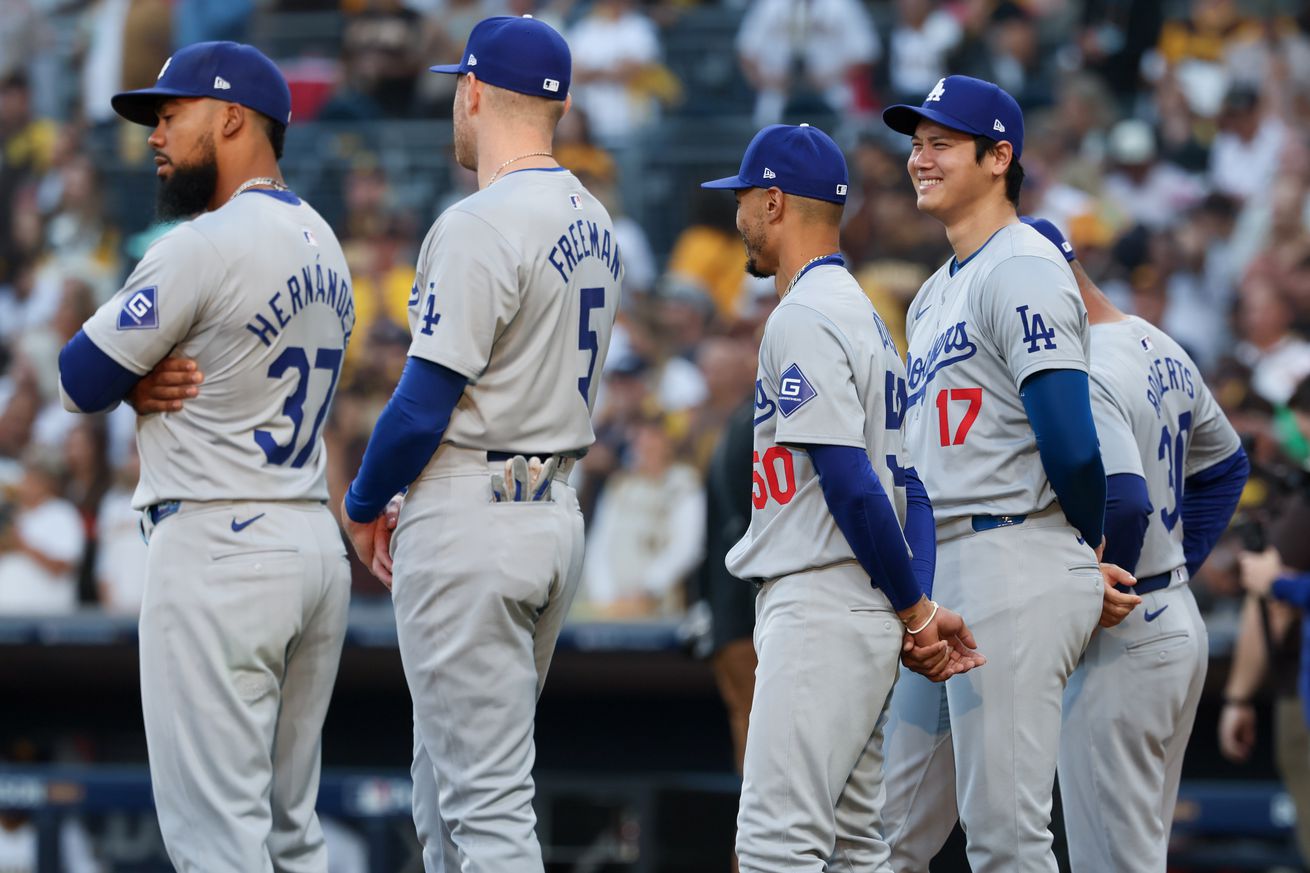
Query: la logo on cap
x: 163, y: 69
x: 937, y: 92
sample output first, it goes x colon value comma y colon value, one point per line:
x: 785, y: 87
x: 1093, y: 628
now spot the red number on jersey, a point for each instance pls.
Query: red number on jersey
x: 768, y: 485
x: 973, y: 396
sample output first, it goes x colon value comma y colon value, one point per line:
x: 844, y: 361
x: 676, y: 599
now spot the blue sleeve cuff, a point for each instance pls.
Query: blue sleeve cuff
x: 920, y: 530
x: 865, y: 516
x: 406, y: 435
x: 1059, y: 407
x: 1127, y: 516
x: 90, y: 378
x: 1209, y: 500
x: 1293, y: 589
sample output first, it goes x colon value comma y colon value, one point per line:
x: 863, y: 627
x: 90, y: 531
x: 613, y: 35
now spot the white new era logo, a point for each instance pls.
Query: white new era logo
x: 550, y: 85
x: 473, y: 60
x: 769, y: 174
x: 221, y: 84
x: 841, y: 189
x: 937, y: 91
x: 996, y: 125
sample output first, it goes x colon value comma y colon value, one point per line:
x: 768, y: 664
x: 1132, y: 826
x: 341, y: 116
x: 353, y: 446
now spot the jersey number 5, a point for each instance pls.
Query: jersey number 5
x: 974, y: 397
x: 294, y: 407
x: 590, y: 298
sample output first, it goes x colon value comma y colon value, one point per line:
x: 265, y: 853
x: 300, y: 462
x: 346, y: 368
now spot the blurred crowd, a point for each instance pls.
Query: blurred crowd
x: 1171, y: 143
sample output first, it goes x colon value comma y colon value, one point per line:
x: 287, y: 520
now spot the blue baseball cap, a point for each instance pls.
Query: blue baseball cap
x: 222, y: 70
x: 966, y: 104
x: 518, y: 54
x: 800, y: 160
x: 1051, y: 232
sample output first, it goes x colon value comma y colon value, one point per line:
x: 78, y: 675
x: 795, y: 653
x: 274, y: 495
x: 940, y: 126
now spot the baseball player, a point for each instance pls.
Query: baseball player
x: 247, y: 582
x: 1175, y: 469
x: 999, y: 419
x: 511, y: 315
x: 834, y: 503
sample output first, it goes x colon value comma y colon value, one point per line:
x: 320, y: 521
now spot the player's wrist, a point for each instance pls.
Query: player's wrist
x: 920, y: 616
x: 1237, y: 700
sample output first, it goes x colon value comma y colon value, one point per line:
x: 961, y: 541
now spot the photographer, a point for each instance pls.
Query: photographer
x: 41, y: 543
x: 1276, y: 571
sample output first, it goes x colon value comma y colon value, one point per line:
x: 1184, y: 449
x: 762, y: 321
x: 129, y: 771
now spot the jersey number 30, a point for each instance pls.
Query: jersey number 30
x: 294, y: 357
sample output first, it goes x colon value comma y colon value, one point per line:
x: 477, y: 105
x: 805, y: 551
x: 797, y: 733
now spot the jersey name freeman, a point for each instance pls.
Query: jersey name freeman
x: 313, y: 284
x: 584, y: 239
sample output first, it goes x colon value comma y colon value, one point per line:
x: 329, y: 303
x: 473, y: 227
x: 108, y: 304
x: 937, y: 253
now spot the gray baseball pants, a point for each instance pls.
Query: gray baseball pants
x: 480, y: 590
x: 240, y: 634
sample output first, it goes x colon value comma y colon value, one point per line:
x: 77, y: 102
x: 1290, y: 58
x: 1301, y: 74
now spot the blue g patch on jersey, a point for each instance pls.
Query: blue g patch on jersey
x: 794, y: 391
x: 140, y: 312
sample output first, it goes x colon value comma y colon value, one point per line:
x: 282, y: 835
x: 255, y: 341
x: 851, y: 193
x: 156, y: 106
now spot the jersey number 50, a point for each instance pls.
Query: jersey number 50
x: 294, y: 357
x: 780, y: 488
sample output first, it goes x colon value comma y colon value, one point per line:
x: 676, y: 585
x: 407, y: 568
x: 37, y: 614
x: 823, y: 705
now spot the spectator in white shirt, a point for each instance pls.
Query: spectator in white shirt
x: 834, y: 41
x: 922, y: 38
x: 41, y: 544
x: 1245, y: 156
x: 613, y: 48
x: 120, y: 552
x: 648, y: 533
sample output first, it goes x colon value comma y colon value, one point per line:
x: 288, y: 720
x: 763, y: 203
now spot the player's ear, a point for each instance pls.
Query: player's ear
x: 232, y: 117
x: 775, y: 204
x: 472, y: 94
x: 568, y: 104
x: 1002, y: 155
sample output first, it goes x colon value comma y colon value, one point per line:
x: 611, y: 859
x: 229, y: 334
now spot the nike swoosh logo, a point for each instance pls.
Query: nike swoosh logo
x: 1152, y: 616
x: 238, y: 527
x: 922, y: 309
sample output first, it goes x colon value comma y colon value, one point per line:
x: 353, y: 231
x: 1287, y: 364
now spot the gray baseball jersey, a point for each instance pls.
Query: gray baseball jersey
x: 517, y: 289
x: 258, y: 293
x: 829, y: 374
x: 531, y: 358
x: 1010, y: 310
x: 1156, y: 419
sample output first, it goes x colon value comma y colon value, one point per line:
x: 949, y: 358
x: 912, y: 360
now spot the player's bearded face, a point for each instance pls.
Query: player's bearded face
x: 189, y: 188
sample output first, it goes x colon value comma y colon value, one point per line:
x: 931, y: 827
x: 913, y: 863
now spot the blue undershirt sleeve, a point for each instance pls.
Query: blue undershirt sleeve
x: 91, y: 379
x: 1059, y: 409
x: 865, y: 517
x: 405, y: 436
x: 1293, y: 589
x: 1209, y: 500
x: 920, y: 530
x: 1127, y: 516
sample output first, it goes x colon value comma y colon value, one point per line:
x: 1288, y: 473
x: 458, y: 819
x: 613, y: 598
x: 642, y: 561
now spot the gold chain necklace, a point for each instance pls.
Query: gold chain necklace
x: 496, y: 175
x: 796, y: 277
x: 258, y: 180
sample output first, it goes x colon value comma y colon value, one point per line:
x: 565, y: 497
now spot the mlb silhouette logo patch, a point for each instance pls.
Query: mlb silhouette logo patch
x: 1147, y: 345
x: 576, y: 200
x: 140, y: 312
x: 841, y: 190
x: 309, y: 236
x: 551, y: 85
x: 794, y: 391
